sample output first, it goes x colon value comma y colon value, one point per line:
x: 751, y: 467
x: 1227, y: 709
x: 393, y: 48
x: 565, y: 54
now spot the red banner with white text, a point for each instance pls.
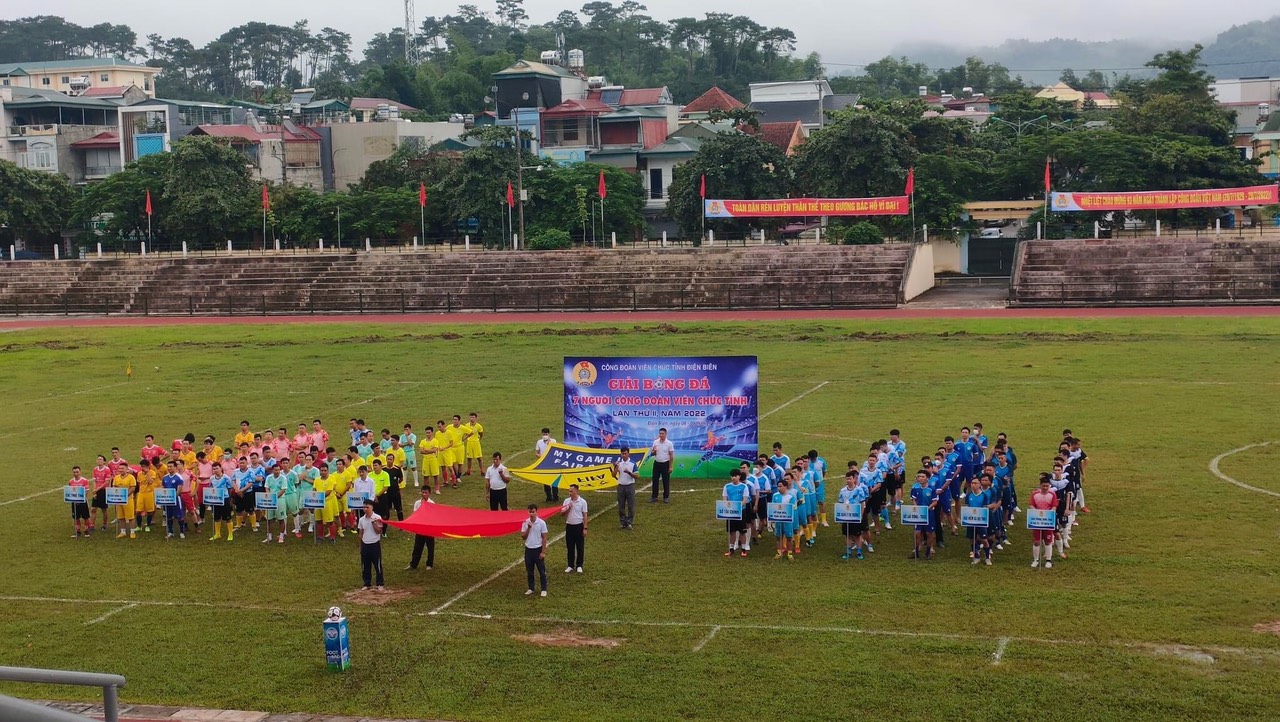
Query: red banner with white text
x: 793, y: 207
x: 1160, y: 200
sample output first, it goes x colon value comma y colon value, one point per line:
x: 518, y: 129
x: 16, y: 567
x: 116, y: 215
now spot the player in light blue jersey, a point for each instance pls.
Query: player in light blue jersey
x: 995, y: 520
x: 898, y: 455
x: 781, y: 460
x: 925, y: 494
x: 819, y: 467
x: 277, y: 485
x: 782, y: 529
x: 749, y: 506
x: 853, y: 492
x: 976, y: 497
x: 871, y: 477
x: 736, y: 491
x: 885, y: 464
x: 409, y: 442
x: 764, y: 492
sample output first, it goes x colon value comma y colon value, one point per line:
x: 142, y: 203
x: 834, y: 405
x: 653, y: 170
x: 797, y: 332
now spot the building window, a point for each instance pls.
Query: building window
x: 44, y: 80
x: 570, y: 131
x: 146, y: 83
x: 6, y: 81
x: 104, y: 78
x: 66, y: 79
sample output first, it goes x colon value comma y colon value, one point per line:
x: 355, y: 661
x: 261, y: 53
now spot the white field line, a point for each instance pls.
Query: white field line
x: 61, y: 424
x: 77, y: 393
x: 999, y: 653
x: 796, y: 629
x: 1213, y: 467
x: 110, y: 614
x: 710, y: 635
x: 29, y: 496
x: 767, y: 414
x: 507, y: 568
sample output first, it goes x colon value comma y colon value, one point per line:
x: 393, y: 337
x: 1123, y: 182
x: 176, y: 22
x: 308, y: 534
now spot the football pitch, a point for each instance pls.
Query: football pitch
x: 1152, y: 616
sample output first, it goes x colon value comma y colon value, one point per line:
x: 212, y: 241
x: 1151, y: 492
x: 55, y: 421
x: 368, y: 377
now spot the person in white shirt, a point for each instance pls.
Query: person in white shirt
x: 370, y: 526
x: 575, y: 528
x: 534, y: 533
x: 364, y: 485
x: 496, y: 488
x: 624, y: 470
x: 664, y: 452
x: 421, y: 540
x: 552, y: 492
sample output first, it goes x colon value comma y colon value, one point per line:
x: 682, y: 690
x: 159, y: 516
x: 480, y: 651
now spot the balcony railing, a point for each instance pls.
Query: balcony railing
x: 100, y: 171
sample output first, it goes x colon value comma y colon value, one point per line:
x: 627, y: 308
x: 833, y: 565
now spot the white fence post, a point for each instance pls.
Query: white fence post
x: 613, y: 239
x: 1097, y: 230
x: 144, y: 248
x: 1217, y: 226
x: 1038, y: 230
x: 277, y: 244
x: 925, y: 227
x: 415, y: 243
x: 466, y: 242
x: 228, y: 245
x: 515, y: 241
x: 322, y: 245
x: 711, y: 237
x: 184, y: 249
x: 99, y: 250
x: 13, y: 252
x: 57, y: 252
x: 1157, y: 228
x: 664, y: 239
x: 817, y: 234
x: 368, y: 247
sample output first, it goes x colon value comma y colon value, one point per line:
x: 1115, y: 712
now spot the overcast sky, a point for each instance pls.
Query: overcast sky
x: 843, y: 32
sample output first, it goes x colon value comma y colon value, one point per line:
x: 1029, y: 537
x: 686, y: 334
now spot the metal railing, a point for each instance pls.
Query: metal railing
x: 110, y: 684
x: 1246, y: 289
x: 100, y: 171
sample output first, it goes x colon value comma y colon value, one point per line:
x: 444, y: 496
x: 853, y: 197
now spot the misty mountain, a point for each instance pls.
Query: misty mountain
x: 1243, y: 50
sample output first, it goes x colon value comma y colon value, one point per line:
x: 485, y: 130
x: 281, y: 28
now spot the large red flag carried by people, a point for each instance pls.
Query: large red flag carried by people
x: 439, y: 520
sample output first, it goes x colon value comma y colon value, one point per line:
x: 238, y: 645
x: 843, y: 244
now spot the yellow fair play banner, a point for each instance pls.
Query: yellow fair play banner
x: 561, y: 465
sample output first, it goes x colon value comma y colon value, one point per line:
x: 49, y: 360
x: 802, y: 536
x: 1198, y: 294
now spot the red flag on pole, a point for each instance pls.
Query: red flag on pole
x: 511, y: 196
x: 266, y: 198
x: 422, y: 195
x: 911, y: 181
x: 602, y: 189
x: 1048, y: 179
x: 702, y: 189
x: 148, y: 201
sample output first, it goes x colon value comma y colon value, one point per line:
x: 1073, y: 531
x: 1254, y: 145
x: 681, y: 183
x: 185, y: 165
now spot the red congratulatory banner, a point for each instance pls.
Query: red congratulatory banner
x: 791, y: 207
x: 1159, y: 200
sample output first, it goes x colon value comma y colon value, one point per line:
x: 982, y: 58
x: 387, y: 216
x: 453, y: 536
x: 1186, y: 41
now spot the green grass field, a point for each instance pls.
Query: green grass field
x: 1173, y: 565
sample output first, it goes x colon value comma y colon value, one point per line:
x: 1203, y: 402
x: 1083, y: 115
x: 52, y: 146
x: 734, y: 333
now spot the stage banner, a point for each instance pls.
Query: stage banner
x: 708, y: 405
x: 800, y: 207
x: 561, y: 465
x: 1160, y: 200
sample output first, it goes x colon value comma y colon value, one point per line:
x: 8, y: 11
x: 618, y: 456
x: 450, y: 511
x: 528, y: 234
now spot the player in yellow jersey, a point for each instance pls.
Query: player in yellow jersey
x: 245, y: 435
x: 342, y: 478
x: 471, y: 443
x: 444, y: 442
x: 457, y: 448
x: 212, y: 452
x: 144, y: 508
x: 125, y: 479
x: 429, y: 449
x: 326, y: 517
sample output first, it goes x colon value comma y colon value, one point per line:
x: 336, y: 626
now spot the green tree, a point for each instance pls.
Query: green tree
x: 119, y: 202
x: 559, y: 194
x: 209, y: 194
x: 736, y: 166
x: 36, y: 205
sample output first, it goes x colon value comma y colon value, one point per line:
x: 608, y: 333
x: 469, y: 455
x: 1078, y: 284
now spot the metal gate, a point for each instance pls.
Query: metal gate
x: 991, y: 256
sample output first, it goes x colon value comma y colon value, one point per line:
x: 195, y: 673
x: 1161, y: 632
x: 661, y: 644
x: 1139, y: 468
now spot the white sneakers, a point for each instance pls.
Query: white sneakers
x: 579, y: 570
x: 1035, y: 564
x: 567, y: 570
x: 527, y: 592
x: 544, y: 592
x: 1048, y: 565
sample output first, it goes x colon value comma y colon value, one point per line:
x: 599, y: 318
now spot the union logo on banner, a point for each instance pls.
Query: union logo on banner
x: 584, y: 373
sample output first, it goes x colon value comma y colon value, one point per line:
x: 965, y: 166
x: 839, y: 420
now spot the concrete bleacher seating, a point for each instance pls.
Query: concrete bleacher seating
x: 1146, y: 271
x: 431, y: 281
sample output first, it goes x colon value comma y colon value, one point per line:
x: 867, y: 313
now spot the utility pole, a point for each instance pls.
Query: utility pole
x: 519, y: 175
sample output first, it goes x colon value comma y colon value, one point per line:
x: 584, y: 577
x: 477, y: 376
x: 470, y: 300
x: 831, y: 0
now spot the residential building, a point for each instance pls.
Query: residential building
x: 370, y: 110
x: 700, y: 108
x: 786, y: 137
x: 659, y: 164
x: 1079, y: 99
x: 523, y: 91
x: 807, y: 101
x: 276, y: 153
x: 42, y: 127
x: 355, y: 146
x: 75, y: 77
x: 1256, y: 89
x: 1266, y: 146
x: 1250, y: 117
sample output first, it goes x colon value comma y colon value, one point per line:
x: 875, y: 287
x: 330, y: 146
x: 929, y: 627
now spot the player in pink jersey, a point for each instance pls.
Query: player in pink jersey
x: 102, y: 474
x: 150, y: 451
x: 1043, y: 499
x: 80, y: 509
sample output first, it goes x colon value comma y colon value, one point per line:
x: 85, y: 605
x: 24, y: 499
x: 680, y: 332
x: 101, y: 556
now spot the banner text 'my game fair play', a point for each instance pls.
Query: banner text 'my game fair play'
x: 708, y: 405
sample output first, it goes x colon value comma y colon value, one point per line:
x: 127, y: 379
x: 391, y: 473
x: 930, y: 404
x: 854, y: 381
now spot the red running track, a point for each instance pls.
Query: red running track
x: 469, y: 318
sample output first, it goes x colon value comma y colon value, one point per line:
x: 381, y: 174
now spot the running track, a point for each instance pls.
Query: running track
x: 605, y: 317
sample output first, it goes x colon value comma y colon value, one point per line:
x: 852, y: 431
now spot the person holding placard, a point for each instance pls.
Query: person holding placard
x: 364, y: 487
x: 145, y: 506
x: 764, y: 492
x: 175, y: 514
x: 625, y: 471
x: 102, y: 474
x: 276, y: 486
x: 995, y: 522
x: 1043, y: 499
x: 925, y: 494
x: 224, y: 511
x: 736, y: 491
x: 242, y: 490
x: 326, y: 517
x: 124, y: 479
x: 869, y: 474
x: 1061, y: 486
x: 819, y: 467
x: 575, y: 528
x: 80, y: 509
x: 803, y: 492
x: 853, y: 493
x: 383, y: 490
x: 976, y: 497
x: 749, y: 505
x: 783, y: 498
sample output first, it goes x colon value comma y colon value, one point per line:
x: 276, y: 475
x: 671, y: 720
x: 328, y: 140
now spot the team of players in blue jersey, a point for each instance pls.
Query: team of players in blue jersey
x: 964, y: 472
